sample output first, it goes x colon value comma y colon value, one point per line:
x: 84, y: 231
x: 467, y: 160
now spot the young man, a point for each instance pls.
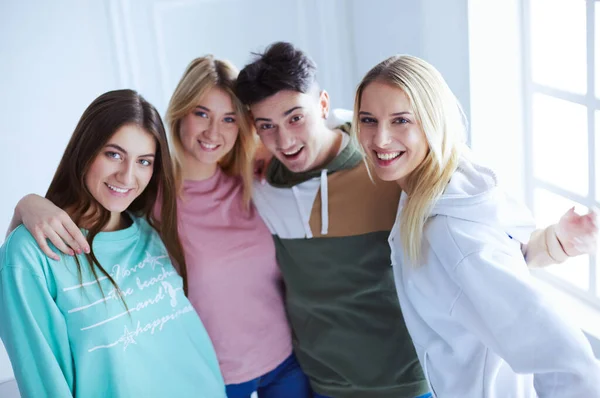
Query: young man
x: 331, y: 224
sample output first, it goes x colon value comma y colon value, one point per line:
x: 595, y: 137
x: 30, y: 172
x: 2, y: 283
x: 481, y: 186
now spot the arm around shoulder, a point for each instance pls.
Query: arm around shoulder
x: 46, y: 221
x: 16, y: 218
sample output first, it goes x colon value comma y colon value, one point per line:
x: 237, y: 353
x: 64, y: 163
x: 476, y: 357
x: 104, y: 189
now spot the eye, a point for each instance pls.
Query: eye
x: 113, y: 155
x: 296, y: 118
x: 201, y: 114
x: 229, y: 119
x: 367, y: 120
x: 400, y: 120
x: 145, y: 162
x: 266, y: 126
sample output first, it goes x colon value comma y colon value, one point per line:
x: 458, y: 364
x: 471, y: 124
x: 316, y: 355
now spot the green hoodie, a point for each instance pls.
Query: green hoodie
x: 331, y: 229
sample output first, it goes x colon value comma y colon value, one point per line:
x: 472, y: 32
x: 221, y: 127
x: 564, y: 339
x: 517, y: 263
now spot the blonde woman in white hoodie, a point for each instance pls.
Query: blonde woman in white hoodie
x: 480, y: 326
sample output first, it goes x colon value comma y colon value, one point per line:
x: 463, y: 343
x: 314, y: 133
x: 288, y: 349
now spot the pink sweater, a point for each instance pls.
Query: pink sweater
x: 234, y: 280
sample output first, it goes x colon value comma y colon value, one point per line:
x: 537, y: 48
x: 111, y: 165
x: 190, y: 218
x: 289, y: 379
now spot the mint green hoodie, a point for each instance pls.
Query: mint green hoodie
x: 65, y: 338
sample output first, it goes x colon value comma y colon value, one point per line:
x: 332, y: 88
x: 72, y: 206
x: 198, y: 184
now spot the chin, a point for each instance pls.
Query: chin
x: 387, y: 175
x: 302, y: 168
x: 292, y: 166
x: 297, y: 168
x: 209, y: 158
x: 115, y: 208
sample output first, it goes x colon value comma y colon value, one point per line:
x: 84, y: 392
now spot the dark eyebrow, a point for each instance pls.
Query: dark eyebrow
x: 262, y: 119
x: 291, y: 110
x: 208, y: 110
x: 286, y: 113
x: 118, y: 148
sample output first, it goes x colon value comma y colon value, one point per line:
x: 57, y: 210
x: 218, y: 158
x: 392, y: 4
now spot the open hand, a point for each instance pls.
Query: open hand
x: 578, y: 234
x: 46, y: 221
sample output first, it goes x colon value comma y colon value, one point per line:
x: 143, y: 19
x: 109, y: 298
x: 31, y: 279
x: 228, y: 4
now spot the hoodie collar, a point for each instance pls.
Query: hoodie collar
x: 473, y: 195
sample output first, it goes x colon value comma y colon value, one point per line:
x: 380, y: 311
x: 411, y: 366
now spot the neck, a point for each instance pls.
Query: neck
x: 402, y: 184
x: 330, y: 146
x: 116, y: 222
x: 198, y: 171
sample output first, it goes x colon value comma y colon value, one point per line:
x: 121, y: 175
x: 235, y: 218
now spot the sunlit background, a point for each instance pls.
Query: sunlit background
x: 561, y: 90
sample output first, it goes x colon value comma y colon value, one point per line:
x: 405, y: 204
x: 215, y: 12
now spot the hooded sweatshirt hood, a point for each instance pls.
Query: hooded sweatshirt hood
x: 473, y: 195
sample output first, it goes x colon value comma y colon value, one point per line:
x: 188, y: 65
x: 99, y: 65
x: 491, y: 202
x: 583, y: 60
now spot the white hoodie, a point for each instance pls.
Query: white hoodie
x: 480, y: 326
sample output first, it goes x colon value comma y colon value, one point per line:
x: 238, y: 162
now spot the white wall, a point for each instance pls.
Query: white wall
x: 497, y: 89
x: 434, y: 30
x: 57, y: 56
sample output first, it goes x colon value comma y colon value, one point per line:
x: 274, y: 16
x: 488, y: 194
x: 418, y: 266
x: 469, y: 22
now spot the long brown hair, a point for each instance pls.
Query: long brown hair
x: 201, y: 75
x: 99, y: 122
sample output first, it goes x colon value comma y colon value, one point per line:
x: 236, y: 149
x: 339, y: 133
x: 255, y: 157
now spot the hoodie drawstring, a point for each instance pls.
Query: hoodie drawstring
x: 324, y: 203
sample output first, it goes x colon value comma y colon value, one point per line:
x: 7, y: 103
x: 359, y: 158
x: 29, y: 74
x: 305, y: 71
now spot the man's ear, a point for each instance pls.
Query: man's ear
x: 324, y: 104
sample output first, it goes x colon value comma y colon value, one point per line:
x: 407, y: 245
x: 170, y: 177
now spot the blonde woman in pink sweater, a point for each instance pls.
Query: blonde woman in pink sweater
x: 234, y: 280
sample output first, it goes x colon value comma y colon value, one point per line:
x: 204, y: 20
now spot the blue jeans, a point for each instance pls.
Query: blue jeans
x: 286, y: 380
x: 428, y: 395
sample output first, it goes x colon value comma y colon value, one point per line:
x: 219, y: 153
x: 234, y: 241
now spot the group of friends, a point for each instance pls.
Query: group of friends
x: 263, y: 243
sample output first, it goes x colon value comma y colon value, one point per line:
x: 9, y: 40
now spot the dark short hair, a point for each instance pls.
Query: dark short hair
x: 281, y: 67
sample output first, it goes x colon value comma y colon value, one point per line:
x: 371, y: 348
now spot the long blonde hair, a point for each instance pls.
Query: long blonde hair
x: 201, y: 75
x: 443, y: 122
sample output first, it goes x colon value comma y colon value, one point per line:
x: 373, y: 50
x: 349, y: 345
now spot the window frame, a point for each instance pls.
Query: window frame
x: 592, y: 104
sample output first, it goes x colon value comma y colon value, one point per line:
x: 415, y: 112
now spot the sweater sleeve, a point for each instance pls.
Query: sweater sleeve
x: 544, y: 248
x: 33, y: 329
x: 500, y: 304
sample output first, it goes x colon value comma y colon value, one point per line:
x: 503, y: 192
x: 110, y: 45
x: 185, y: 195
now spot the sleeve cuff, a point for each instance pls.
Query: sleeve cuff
x: 553, y: 245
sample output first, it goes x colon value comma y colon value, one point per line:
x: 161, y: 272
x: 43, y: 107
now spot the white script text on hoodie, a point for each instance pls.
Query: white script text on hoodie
x: 480, y: 326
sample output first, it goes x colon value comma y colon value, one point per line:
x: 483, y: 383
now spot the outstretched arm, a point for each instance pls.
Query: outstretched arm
x: 572, y: 236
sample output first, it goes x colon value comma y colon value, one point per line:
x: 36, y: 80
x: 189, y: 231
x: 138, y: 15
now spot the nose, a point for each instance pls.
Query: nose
x: 125, y: 175
x: 382, y: 137
x: 285, y: 139
x: 212, y: 132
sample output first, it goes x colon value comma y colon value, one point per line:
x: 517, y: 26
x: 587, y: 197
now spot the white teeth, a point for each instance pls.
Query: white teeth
x: 388, y: 156
x: 208, y: 146
x: 293, y: 152
x: 119, y: 190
